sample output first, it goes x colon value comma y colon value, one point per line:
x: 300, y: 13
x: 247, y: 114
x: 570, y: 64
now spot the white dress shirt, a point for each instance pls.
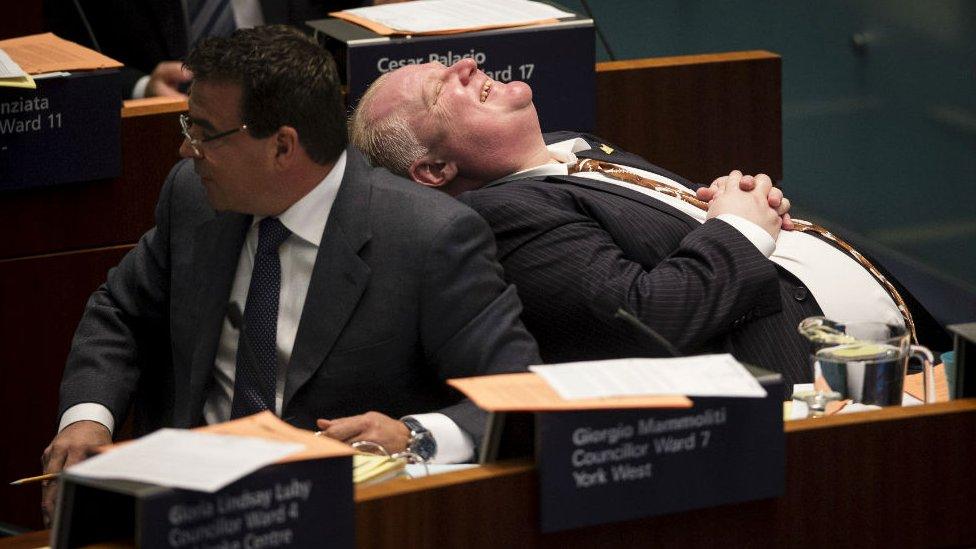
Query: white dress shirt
x: 842, y: 287
x: 306, y: 219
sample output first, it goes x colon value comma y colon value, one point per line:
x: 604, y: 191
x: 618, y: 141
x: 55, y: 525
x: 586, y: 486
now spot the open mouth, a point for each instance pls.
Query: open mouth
x: 485, y: 90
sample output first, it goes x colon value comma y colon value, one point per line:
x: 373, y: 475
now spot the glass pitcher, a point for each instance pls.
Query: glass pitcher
x: 862, y: 361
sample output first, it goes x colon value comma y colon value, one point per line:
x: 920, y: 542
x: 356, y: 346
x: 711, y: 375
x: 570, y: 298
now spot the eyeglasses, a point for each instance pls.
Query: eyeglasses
x: 197, y: 144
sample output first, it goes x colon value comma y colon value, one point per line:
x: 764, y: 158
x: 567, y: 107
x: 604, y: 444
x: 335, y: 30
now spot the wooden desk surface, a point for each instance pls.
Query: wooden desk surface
x: 891, y: 478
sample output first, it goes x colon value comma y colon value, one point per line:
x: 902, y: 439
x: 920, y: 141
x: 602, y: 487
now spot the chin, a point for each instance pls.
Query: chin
x: 521, y: 92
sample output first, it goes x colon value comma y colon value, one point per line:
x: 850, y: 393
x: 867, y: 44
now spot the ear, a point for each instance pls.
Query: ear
x: 286, y: 146
x: 433, y: 172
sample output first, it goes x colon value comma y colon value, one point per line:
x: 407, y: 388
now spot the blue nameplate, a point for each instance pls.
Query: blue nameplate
x: 295, y: 504
x: 557, y: 60
x: 609, y: 466
x: 67, y: 130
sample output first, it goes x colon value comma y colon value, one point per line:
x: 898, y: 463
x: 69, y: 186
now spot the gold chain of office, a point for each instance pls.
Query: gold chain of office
x: 621, y: 174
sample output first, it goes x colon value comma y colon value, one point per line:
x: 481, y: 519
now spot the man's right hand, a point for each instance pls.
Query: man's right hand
x: 73, y: 444
x: 166, y: 79
x: 752, y: 205
x: 775, y: 197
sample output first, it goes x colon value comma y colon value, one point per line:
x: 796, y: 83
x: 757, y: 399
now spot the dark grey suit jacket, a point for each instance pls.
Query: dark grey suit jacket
x: 577, y: 249
x: 405, y: 293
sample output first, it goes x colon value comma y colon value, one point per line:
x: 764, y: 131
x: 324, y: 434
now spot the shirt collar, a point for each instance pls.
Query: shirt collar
x: 563, y: 152
x: 306, y: 218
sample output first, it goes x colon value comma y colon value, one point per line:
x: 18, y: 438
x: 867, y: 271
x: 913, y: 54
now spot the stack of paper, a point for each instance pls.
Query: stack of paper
x: 451, y: 16
x: 185, y: 459
x: 209, y: 458
x: 11, y: 75
x: 612, y: 384
x: 369, y: 468
x: 44, y: 53
x: 702, y: 375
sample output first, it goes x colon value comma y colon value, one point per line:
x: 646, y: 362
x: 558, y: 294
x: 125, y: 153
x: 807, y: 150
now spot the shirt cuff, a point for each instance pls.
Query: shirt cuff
x: 139, y: 90
x: 88, y: 411
x: 453, y: 444
x: 753, y: 233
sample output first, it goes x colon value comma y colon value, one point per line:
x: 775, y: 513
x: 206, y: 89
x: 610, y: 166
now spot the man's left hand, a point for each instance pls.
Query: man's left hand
x: 775, y: 197
x: 375, y: 427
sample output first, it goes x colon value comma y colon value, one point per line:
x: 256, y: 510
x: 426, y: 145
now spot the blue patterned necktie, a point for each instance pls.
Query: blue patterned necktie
x: 254, y: 384
x: 208, y: 18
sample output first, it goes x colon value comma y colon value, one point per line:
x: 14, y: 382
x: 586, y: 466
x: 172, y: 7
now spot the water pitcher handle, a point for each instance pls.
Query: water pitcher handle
x: 928, y: 371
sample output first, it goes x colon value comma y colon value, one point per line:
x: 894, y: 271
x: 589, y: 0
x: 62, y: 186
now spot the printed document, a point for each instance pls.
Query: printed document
x: 11, y: 75
x: 186, y: 459
x: 702, y: 375
x: 435, y: 16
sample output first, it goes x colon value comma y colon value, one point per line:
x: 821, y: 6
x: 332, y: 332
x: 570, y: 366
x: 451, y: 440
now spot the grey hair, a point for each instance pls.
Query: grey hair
x: 389, y: 142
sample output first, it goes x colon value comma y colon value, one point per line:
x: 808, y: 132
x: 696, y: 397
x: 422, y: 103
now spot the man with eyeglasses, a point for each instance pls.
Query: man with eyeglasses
x: 361, y: 292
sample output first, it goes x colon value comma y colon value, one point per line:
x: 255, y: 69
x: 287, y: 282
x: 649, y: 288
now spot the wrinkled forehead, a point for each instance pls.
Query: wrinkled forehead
x: 400, y: 91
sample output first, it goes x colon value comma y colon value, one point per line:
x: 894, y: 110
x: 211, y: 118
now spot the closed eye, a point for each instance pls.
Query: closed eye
x: 437, y: 92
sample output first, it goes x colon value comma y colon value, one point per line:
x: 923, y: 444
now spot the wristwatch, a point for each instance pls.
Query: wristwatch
x: 422, y: 440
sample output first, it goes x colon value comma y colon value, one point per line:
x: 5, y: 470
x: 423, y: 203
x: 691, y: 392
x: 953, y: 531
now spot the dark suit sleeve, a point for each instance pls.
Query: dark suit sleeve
x: 469, y: 316
x: 121, y: 317
x: 576, y: 257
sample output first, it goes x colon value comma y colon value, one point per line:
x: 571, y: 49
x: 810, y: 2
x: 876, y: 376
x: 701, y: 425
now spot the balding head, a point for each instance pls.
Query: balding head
x: 448, y: 127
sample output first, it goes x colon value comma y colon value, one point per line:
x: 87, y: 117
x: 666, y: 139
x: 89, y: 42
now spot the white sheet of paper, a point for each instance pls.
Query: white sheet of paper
x: 800, y: 408
x: 9, y: 68
x: 439, y: 15
x: 186, y: 459
x: 417, y: 470
x: 702, y: 375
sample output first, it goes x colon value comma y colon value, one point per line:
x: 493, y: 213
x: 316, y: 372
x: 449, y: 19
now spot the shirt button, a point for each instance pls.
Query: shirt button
x: 800, y: 293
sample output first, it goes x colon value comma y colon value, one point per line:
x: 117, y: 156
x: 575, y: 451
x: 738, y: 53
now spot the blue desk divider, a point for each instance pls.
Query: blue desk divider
x: 608, y: 466
x: 557, y: 60
x: 67, y: 130
x: 297, y: 504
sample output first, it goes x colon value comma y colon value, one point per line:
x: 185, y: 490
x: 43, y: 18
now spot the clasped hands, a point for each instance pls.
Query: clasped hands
x: 751, y: 197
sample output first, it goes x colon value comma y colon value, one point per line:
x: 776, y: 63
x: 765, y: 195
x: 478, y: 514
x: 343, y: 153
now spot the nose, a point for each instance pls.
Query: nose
x: 186, y: 150
x: 465, y: 68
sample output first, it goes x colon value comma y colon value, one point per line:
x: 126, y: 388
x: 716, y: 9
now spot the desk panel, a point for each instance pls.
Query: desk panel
x: 699, y: 116
x: 43, y: 298
x: 891, y: 478
x: 98, y: 213
x: 900, y: 477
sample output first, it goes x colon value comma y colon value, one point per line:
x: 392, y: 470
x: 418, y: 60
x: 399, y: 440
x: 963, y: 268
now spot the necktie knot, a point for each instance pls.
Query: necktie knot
x: 271, y: 233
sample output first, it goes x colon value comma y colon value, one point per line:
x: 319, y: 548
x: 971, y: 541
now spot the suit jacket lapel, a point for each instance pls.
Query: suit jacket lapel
x: 339, y: 277
x: 215, y: 256
x: 604, y: 187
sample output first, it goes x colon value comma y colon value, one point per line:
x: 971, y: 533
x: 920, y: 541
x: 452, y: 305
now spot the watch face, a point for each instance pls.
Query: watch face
x: 422, y: 440
x: 424, y: 445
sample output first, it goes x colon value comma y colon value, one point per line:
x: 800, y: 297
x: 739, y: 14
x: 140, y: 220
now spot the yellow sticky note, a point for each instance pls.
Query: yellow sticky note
x: 24, y: 81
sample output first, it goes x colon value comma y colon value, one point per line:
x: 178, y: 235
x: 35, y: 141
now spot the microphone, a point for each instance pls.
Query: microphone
x: 84, y: 21
x: 599, y: 33
x: 635, y: 323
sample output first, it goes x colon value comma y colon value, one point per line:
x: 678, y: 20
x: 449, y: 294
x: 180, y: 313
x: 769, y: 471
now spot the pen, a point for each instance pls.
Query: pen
x: 28, y: 480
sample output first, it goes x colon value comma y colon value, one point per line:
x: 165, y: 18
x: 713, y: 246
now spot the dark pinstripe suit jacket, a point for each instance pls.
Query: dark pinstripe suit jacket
x: 577, y: 249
